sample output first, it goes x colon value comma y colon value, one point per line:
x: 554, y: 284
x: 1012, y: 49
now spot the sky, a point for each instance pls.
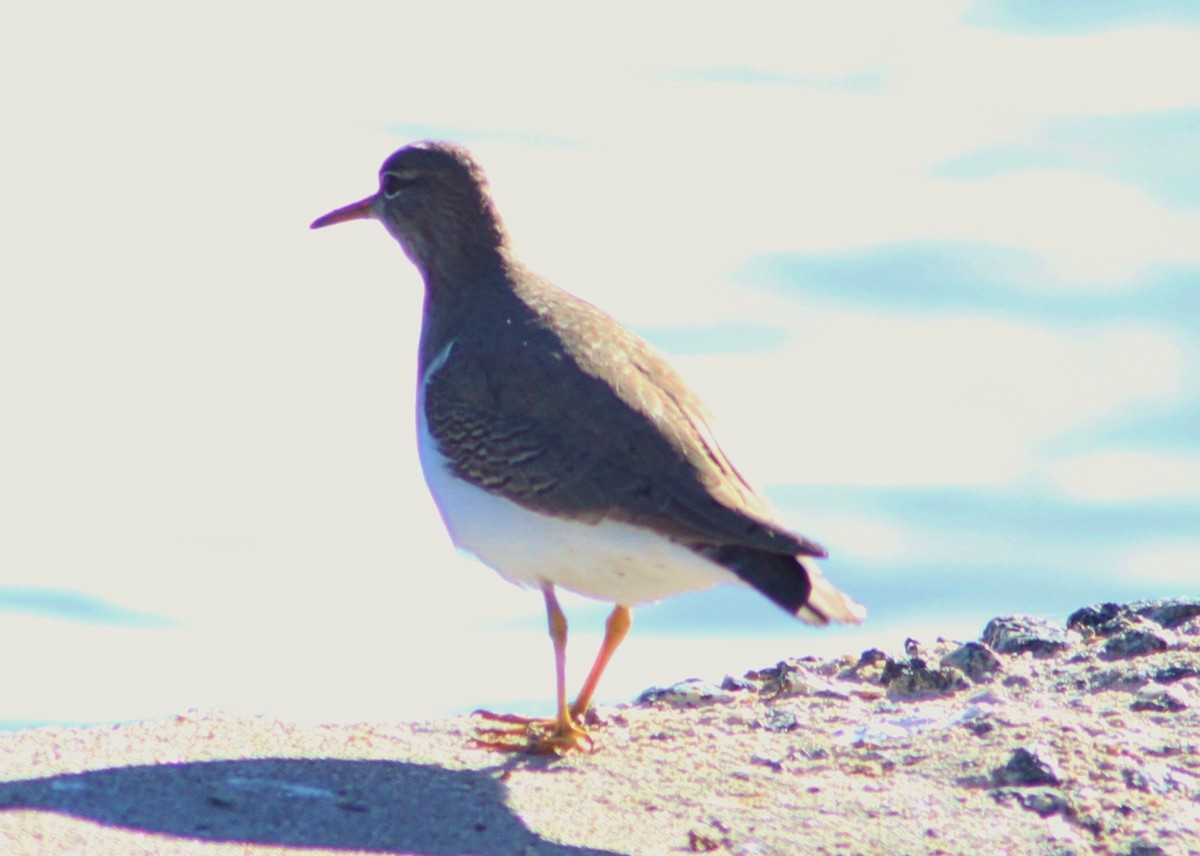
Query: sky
x: 934, y: 267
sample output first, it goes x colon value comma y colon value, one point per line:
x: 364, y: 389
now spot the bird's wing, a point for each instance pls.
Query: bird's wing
x: 623, y: 439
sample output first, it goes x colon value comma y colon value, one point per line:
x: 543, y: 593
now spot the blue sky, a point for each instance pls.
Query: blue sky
x: 1064, y: 19
x: 934, y: 269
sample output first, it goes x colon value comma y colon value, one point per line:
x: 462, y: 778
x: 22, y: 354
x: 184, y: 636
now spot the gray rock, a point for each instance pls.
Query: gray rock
x: 975, y: 660
x: 690, y: 693
x: 870, y: 657
x: 979, y: 726
x: 802, y: 683
x: 1170, y: 612
x: 1135, y: 642
x: 779, y: 721
x: 1029, y: 765
x: 1125, y: 679
x: 1020, y: 633
x: 1151, y: 777
x: 733, y: 685
x: 1101, y: 619
x: 1171, y: 674
x: 912, y: 678
x: 1164, y: 699
x: 1046, y: 802
x: 775, y: 679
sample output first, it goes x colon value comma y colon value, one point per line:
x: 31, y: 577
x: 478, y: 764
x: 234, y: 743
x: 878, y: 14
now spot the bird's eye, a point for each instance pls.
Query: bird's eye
x: 394, y: 184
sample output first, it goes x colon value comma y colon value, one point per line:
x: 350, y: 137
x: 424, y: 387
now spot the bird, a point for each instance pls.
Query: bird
x: 559, y: 447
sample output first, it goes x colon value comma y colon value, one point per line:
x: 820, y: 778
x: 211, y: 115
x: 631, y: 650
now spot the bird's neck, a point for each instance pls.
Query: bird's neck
x: 461, y: 298
x: 460, y: 241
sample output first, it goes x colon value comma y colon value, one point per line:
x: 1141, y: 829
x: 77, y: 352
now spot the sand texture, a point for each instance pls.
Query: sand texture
x: 1045, y: 740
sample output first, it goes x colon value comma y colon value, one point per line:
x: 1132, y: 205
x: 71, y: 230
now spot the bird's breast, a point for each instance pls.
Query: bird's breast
x: 607, y: 559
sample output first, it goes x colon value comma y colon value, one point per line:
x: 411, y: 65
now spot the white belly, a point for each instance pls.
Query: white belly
x: 608, y: 560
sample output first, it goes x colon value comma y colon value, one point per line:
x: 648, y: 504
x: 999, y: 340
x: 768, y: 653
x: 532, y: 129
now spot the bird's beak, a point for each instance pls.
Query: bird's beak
x: 363, y: 209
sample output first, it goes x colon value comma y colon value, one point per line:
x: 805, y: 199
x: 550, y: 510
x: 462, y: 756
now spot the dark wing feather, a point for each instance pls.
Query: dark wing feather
x: 622, y: 439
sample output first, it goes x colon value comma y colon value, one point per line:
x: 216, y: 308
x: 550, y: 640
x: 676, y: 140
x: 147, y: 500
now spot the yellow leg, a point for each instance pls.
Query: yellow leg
x: 563, y: 722
x: 615, y: 629
x: 565, y: 733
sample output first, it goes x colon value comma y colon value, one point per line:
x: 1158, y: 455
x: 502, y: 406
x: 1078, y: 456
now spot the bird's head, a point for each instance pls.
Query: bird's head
x: 434, y: 200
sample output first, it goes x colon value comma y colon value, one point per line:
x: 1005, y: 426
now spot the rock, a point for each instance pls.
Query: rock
x: 779, y: 720
x: 733, y: 685
x: 775, y: 679
x: 690, y: 693
x: 1164, y: 699
x: 1170, y: 612
x: 1032, y: 765
x: 771, y: 762
x: 1108, y: 619
x: 870, y: 657
x: 1171, y: 674
x: 699, y: 842
x: 870, y: 666
x: 801, y: 683
x: 1045, y: 801
x: 912, y: 678
x: 796, y: 678
x: 1134, y: 642
x: 1101, y: 619
x: 1126, y: 680
x: 979, y: 726
x: 1021, y: 633
x: 975, y: 660
x: 1151, y: 777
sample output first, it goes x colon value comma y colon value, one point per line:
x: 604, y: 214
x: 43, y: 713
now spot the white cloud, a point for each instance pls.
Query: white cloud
x: 1095, y: 231
x: 975, y: 81
x: 888, y: 401
x: 1122, y: 475
x: 677, y: 179
x: 859, y: 537
x: 1177, y: 562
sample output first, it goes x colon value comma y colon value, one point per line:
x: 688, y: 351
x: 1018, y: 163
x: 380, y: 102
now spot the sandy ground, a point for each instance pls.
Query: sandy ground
x: 1080, y: 741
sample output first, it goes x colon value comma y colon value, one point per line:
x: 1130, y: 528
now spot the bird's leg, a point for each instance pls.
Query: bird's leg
x: 565, y: 733
x: 615, y: 629
x: 565, y: 725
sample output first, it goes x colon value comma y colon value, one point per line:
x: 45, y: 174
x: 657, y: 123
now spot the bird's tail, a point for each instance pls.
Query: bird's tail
x: 826, y: 603
x: 795, y: 583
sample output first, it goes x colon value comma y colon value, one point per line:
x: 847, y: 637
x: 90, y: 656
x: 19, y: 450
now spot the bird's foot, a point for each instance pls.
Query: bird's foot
x: 533, y: 736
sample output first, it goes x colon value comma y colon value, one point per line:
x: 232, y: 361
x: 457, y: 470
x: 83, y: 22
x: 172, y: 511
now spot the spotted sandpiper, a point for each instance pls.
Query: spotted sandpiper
x: 560, y: 448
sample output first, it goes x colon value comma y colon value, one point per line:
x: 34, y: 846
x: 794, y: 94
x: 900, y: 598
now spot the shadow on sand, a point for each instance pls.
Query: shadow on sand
x: 380, y: 806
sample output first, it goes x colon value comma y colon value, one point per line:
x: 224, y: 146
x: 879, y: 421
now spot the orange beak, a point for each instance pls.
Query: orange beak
x: 363, y: 209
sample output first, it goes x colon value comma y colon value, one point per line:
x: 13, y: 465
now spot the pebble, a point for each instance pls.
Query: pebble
x: 779, y: 720
x: 1029, y: 765
x: 692, y: 692
x: 1045, y: 801
x: 1154, y: 777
